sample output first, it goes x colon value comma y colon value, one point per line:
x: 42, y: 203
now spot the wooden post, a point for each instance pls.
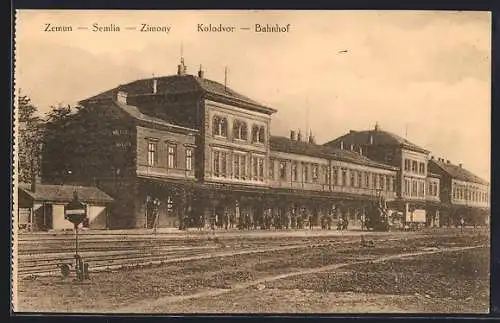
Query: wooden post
x: 146, y: 214
x: 44, y: 215
x: 32, y: 219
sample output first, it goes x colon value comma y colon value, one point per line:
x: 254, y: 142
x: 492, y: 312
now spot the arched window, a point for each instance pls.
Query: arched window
x: 258, y: 134
x: 224, y: 127
x: 255, y: 133
x: 220, y: 126
x: 261, y: 134
x: 240, y: 130
x: 215, y: 125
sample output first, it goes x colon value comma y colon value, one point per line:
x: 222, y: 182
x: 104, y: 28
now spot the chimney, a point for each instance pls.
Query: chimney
x: 200, y: 73
x: 447, y: 161
x: 181, y: 68
x: 121, y: 97
x: 376, y: 126
x: 432, y: 157
x: 155, y: 86
x: 311, y: 137
x: 352, y: 131
x: 292, y: 135
x: 342, y: 145
x: 460, y: 165
x: 35, y: 180
x: 299, y: 136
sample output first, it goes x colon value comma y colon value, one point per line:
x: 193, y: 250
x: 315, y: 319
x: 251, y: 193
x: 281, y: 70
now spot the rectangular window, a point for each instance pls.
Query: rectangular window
x: 189, y: 159
x: 271, y: 169
x: 422, y: 189
x: 414, y: 188
x: 260, y: 162
x: 172, y: 156
x: 261, y: 169
x: 152, y: 154
x: 344, y: 177
x: 335, y: 176
x: 353, y: 178
x: 243, y: 167
x: 223, y: 163
x: 282, y: 170
x: 388, y: 183
x: 421, y: 168
x: 255, y: 168
x: 294, y: 171
x: 414, y: 166
x: 382, y: 182
x: 374, y: 181
x: 216, y: 165
x: 305, y: 171
x: 360, y: 179
x: 393, y: 184
x: 236, y: 166
x: 367, y: 180
x: 407, y: 165
x: 315, y: 171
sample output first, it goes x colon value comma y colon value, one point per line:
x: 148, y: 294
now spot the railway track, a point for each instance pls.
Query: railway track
x: 42, y: 257
x: 106, y: 261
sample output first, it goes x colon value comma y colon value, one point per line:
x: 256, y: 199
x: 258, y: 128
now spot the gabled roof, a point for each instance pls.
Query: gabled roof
x: 457, y: 172
x: 380, y: 138
x: 284, y: 144
x: 135, y: 113
x: 64, y: 193
x: 176, y: 84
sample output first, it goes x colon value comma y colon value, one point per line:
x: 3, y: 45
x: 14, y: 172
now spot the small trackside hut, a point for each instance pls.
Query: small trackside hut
x: 41, y: 206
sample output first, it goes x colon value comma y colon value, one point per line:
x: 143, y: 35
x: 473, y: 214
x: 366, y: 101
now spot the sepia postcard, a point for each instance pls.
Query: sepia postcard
x: 251, y: 162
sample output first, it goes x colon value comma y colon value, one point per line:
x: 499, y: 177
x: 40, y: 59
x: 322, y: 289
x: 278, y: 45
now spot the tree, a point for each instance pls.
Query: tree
x: 30, y: 131
x: 57, y: 139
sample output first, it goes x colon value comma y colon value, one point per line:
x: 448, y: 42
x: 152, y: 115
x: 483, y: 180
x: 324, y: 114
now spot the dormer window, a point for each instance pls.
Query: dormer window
x: 240, y: 130
x: 258, y: 134
x: 220, y: 126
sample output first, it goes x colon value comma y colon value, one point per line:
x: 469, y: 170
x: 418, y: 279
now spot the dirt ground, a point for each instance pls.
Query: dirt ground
x: 444, y: 282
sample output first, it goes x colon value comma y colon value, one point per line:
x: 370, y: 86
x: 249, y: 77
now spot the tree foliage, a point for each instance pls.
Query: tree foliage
x: 30, y: 132
x: 80, y: 145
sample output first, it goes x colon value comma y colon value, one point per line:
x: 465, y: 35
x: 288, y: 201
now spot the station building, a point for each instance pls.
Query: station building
x: 463, y: 195
x: 202, y: 153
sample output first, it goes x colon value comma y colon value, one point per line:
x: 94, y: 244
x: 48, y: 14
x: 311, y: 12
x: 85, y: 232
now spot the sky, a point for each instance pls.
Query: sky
x: 423, y: 75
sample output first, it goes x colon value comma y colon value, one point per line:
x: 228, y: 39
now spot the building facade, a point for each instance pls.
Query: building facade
x: 411, y: 160
x: 183, y: 150
x: 463, y: 195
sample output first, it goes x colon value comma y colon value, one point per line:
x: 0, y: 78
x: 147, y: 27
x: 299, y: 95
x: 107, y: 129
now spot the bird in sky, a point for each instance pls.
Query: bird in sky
x: 343, y: 51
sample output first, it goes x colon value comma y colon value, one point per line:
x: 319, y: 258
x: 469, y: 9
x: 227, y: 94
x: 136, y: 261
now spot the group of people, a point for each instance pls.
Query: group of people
x: 246, y: 221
